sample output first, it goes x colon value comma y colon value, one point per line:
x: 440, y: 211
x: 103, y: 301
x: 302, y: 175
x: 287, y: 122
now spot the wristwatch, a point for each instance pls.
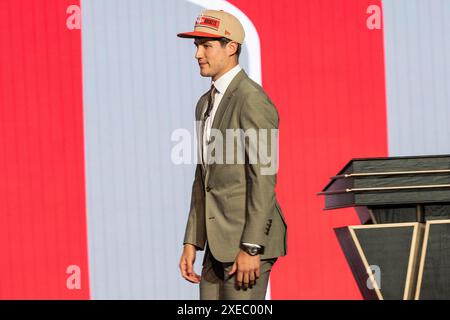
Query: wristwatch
x: 251, y: 250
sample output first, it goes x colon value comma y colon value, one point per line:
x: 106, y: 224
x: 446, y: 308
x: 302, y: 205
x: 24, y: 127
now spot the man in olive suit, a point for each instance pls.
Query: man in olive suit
x: 234, y: 213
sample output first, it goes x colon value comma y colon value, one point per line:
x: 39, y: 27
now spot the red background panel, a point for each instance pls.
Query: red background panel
x: 324, y: 69
x: 42, y: 187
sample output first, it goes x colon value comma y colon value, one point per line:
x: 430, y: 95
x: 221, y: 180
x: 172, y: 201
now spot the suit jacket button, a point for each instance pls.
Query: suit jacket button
x: 208, y: 189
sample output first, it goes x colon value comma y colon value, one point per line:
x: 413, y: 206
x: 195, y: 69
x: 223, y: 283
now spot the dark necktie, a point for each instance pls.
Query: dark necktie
x: 207, y: 113
x: 212, y: 92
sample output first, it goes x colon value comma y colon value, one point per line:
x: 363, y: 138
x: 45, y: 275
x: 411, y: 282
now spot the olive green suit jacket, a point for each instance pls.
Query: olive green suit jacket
x: 235, y: 203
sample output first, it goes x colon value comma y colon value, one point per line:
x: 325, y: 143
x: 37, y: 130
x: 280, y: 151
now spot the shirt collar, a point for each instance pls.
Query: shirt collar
x: 224, y: 81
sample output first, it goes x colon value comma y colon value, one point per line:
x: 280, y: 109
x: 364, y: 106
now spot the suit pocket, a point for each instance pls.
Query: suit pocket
x: 235, y: 203
x: 235, y: 195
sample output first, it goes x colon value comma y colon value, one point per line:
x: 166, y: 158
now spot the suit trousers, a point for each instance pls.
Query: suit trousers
x: 217, y: 285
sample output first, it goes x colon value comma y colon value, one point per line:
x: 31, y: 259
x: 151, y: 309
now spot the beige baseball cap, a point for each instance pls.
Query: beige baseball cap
x: 216, y: 24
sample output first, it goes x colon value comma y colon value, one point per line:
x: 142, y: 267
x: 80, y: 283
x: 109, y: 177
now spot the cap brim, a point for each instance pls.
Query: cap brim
x: 198, y: 34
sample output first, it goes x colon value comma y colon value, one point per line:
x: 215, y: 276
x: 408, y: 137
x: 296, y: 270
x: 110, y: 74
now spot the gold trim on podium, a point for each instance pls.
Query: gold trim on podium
x: 351, y: 190
x: 388, y: 173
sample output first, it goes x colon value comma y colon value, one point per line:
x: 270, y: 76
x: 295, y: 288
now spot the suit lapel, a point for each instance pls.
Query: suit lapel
x: 225, y: 102
x: 224, y: 105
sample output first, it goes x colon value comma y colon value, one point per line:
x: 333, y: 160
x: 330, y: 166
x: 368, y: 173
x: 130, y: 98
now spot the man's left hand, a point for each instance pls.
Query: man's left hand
x: 248, y: 269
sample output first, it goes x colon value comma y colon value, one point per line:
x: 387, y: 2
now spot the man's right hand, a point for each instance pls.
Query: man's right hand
x: 187, y: 264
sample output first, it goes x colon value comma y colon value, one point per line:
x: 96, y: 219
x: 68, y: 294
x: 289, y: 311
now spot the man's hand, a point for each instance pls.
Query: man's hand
x: 248, y: 269
x: 187, y: 264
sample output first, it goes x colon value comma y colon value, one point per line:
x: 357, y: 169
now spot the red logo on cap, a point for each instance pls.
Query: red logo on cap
x: 208, y: 22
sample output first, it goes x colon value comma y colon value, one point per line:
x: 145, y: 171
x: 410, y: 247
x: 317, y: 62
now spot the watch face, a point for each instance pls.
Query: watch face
x: 253, y: 251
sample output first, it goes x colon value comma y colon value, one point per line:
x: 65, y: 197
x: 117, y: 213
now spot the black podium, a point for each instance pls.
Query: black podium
x: 401, y: 250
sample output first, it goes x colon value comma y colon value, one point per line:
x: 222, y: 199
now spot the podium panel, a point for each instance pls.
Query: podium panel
x: 384, y: 257
x: 434, y: 272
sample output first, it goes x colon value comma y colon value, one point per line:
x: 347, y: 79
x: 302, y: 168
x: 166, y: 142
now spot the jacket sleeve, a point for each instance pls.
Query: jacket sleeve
x: 196, y: 229
x: 259, y: 114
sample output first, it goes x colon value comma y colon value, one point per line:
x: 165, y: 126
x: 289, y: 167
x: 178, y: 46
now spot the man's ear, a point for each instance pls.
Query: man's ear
x: 232, y: 47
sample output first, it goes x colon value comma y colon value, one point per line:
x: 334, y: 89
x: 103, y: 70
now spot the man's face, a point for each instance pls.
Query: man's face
x: 213, y: 60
